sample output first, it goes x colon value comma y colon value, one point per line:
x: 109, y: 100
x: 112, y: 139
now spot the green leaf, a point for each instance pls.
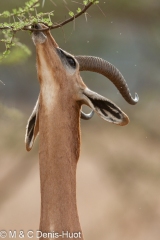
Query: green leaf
x: 40, y: 14
x: 79, y: 10
x: 21, y: 9
x: 5, y: 14
x: 85, y: 2
x: 47, y: 21
x: 5, y: 24
x: 71, y: 14
x: 14, y: 11
x: 5, y: 53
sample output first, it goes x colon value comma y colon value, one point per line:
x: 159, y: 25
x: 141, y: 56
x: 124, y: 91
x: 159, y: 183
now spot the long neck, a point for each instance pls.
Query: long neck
x: 58, y: 156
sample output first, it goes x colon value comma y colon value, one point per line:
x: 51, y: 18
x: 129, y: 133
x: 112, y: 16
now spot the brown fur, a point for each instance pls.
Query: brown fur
x: 62, y: 92
x: 59, y: 132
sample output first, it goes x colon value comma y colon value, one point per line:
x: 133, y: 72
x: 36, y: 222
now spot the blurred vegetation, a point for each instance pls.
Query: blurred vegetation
x: 119, y: 168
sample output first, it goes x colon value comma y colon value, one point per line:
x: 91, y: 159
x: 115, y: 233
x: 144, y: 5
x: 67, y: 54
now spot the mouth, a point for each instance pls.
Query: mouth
x: 38, y: 37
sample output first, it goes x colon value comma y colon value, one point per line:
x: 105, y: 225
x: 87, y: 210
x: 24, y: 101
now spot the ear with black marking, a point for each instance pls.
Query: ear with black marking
x: 105, y: 108
x: 32, y: 128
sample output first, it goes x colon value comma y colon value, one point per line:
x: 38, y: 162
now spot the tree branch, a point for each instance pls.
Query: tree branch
x: 72, y: 18
x: 27, y: 24
x: 56, y: 25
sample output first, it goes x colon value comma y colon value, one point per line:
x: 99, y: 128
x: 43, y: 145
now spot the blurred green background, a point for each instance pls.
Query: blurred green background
x: 118, y: 174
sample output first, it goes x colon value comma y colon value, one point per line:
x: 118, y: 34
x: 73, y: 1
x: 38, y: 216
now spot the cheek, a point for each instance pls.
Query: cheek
x: 77, y: 91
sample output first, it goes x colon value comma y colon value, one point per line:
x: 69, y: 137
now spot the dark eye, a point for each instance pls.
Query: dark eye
x: 66, y: 58
x: 71, y: 61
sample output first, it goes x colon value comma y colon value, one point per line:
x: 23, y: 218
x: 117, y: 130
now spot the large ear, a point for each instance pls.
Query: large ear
x: 32, y: 128
x: 105, y: 108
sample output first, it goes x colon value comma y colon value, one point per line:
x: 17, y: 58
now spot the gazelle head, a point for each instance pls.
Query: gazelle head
x: 61, y: 70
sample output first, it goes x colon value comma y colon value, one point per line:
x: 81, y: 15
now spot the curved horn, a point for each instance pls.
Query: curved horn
x: 88, y: 116
x: 96, y: 64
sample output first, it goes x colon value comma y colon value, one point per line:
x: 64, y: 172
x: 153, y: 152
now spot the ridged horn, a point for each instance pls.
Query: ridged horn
x: 98, y: 65
x: 86, y: 116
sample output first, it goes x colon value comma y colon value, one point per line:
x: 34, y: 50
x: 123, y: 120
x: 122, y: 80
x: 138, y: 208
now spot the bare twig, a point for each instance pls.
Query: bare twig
x: 77, y: 2
x: 43, y: 3
x: 53, y: 3
x: 65, y: 1
x: 72, y: 18
x: 101, y: 10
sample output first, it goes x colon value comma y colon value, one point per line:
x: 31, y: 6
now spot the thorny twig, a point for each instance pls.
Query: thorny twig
x: 74, y: 17
x: 28, y: 27
x: 2, y: 82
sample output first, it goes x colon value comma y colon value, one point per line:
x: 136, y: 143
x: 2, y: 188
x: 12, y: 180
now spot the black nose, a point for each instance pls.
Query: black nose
x: 36, y: 26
